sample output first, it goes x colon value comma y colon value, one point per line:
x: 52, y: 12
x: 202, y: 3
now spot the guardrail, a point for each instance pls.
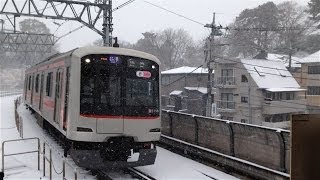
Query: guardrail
x: 230, y: 163
x: 268, y: 147
x: 3, y: 94
x: 26, y: 152
x: 51, y: 165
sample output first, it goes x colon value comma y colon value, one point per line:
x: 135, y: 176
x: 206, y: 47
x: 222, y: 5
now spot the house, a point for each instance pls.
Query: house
x: 256, y: 91
x: 310, y: 80
x: 185, y: 84
x: 178, y: 78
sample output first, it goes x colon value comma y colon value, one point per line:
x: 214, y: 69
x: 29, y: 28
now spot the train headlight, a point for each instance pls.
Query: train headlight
x: 87, y: 60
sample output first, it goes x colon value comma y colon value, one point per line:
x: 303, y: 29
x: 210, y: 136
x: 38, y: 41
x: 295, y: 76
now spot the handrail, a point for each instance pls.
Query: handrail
x: 27, y: 152
x: 46, y: 159
x: 64, y: 170
x: 49, y: 160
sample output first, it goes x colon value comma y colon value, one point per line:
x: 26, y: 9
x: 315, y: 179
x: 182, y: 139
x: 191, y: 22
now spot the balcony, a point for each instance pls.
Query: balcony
x: 226, y: 82
x: 226, y: 106
x: 284, y: 106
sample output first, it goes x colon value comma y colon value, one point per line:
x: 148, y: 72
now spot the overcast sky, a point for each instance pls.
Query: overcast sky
x: 139, y: 16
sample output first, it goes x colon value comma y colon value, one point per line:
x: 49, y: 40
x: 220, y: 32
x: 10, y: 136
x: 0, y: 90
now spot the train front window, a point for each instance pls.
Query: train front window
x: 100, y: 86
x: 119, y: 85
x: 141, y: 92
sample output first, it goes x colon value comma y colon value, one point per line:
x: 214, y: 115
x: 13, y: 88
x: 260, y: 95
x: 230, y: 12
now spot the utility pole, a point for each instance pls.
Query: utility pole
x: 210, y: 60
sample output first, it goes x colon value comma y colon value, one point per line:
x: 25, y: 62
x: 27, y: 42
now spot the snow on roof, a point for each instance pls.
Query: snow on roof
x: 203, y: 90
x: 315, y: 57
x: 186, y: 70
x: 175, y: 92
x: 284, y: 89
x: 285, y: 59
x: 269, y: 74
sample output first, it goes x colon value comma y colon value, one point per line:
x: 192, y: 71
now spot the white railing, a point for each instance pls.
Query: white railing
x: 226, y: 104
x: 226, y: 80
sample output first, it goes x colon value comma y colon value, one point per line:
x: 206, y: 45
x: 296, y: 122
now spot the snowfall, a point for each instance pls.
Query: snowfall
x: 167, y: 166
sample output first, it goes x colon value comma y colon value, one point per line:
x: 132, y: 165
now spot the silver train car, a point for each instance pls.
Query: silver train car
x: 101, y: 102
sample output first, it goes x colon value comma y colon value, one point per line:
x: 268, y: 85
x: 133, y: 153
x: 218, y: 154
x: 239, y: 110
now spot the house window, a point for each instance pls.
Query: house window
x: 289, y: 95
x: 226, y: 101
x: 313, y: 69
x: 244, y: 78
x: 49, y: 84
x: 243, y: 120
x: 277, y: 118
x: 227, y: 72
x: 244, y: 99
x: 226, y: 96
x: 313, y: 90
x: 277, y: 96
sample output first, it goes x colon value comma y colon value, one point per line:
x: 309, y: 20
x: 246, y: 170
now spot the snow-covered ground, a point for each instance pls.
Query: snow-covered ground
x: 168, y: 165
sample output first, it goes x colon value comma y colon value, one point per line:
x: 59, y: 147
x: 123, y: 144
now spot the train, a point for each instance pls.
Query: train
x: 103, y: 104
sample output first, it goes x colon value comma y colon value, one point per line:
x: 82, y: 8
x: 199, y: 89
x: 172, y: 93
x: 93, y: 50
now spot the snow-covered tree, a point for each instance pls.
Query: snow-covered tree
x: 314, y: 9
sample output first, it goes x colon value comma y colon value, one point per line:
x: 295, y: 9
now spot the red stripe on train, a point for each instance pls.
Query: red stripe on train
x: 117, y: 117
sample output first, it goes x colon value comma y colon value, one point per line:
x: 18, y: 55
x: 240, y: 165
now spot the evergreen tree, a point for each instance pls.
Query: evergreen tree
x: 314, y: 9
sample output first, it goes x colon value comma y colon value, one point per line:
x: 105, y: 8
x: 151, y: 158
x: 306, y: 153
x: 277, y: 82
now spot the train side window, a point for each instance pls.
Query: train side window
x: 37, y: 83
x: 29, y: 83
x: 49, y: 84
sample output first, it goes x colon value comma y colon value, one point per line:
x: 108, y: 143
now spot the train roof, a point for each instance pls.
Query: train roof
x: 80, y: 52
x: 83, y: 51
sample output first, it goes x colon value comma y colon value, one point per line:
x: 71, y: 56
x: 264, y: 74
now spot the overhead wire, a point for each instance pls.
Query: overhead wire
x: 172, y: 12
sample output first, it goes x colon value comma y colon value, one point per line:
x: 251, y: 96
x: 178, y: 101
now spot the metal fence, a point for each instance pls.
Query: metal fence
x: 261, y: 145
x: 20, y: 153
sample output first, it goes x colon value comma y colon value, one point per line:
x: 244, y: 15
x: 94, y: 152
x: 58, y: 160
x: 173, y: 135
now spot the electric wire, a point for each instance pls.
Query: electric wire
x: 172, y: 12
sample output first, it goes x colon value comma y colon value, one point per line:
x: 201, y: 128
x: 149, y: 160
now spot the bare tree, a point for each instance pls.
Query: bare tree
x: 293, y: 18
x: 171, y: 46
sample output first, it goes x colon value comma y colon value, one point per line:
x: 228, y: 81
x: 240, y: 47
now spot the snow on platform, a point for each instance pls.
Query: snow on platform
x: 168, y: 165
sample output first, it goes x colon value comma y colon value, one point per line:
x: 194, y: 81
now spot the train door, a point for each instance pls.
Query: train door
x: 66, y: 100
x: 110, y: 101
x: 41, y: 91
x: 25, y: 87
x: 57, y: 99
x: 100, y: 93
